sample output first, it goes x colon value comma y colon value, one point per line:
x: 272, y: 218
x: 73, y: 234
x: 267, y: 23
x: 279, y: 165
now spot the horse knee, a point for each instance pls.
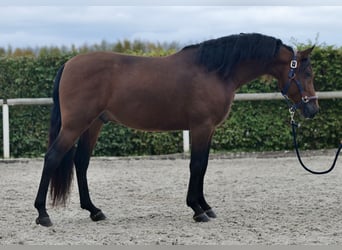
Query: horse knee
x: 198, y: 168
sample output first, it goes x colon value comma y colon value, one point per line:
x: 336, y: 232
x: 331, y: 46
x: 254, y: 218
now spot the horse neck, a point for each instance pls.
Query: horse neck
x: 248, y: 71
x: 251, y: 70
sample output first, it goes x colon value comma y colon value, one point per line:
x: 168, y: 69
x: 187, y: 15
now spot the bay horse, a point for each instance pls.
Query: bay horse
x: 192, y: 89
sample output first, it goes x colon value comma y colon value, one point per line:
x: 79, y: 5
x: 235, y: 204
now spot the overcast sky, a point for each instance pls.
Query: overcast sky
x: 31, y: 26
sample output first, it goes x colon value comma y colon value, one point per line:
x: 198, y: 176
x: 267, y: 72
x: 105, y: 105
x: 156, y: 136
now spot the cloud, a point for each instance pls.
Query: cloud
x: 65, y: 25
x: 175, y: 2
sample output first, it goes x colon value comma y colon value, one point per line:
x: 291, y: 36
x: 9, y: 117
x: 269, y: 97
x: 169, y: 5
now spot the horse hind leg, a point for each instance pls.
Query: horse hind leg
x: 84, y: 149
x: 58, y: 153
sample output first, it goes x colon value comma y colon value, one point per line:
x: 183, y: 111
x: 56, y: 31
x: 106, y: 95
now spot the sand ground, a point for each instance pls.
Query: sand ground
x: 259, y: 199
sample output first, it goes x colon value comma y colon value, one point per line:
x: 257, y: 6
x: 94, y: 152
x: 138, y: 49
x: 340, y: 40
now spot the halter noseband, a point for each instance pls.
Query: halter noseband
x: 292, y: 78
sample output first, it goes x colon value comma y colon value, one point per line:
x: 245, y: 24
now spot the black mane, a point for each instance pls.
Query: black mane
x: 223, y: 54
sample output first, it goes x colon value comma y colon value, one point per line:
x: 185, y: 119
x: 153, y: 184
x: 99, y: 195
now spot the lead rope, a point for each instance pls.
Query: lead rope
x: 294, y: 134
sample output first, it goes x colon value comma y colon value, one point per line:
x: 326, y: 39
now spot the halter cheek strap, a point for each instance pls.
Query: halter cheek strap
x: 292, y: 78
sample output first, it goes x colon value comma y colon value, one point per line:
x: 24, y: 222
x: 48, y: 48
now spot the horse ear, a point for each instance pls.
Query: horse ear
x: 305, y: 53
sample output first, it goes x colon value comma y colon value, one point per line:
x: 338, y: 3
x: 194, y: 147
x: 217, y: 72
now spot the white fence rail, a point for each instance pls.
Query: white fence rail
x: 186, y: 142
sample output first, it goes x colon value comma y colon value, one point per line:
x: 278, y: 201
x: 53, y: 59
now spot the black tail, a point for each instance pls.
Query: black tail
x: 62, y: 177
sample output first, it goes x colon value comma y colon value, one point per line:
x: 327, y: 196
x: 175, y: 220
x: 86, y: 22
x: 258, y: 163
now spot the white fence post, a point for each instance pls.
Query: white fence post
x: 5, y: 127
x: 186, y: 141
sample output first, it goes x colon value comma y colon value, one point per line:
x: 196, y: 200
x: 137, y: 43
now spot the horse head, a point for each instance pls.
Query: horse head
x: 296, y: 82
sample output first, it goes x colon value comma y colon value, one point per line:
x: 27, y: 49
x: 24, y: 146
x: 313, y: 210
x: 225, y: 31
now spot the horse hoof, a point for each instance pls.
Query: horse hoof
x: 201, y: 218
x: 98, y: 216
x: 211, y: 213
x: 45, y: 221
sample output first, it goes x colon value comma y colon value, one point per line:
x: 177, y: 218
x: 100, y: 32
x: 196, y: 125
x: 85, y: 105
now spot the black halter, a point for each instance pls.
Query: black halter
x: 294, y: 107
x: 292, y: 78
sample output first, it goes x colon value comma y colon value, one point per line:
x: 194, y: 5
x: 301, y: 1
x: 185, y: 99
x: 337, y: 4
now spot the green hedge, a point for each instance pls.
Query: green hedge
x: 252, y: 126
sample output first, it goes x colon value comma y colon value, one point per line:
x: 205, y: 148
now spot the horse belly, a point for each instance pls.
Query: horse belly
x: 150, y: 113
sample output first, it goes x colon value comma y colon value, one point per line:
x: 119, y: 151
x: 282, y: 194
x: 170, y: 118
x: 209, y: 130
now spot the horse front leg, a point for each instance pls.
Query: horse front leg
x: 200, y: 146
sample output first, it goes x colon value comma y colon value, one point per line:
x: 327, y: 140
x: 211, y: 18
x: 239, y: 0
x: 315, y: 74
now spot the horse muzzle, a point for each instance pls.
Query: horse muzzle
x: 309, y: 110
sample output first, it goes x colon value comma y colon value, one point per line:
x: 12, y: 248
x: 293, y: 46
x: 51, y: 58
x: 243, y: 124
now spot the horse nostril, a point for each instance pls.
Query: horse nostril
x: 310, y: 110
x: 316, y: 111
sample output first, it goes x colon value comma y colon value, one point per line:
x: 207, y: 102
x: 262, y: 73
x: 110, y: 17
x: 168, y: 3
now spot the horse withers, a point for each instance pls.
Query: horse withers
x: 192, y: 89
